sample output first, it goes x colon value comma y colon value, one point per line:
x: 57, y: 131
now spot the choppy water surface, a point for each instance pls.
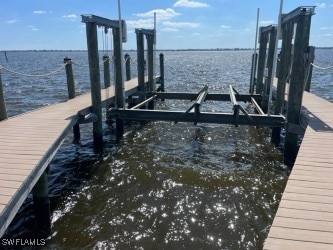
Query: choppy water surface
x: 164, y: 185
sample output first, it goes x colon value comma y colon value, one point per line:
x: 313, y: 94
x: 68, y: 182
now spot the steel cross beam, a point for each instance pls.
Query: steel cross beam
x: 205, y: 117
x: 101, y: 21
x: 303, y: 10
x: 209, y: 96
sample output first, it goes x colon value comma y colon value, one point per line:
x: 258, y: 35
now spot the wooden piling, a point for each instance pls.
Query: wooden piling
x: 106, y: 66
x: 150, y: 47
x: 162, y: 72
x: 151, y: 80
x: 3, y: 110
x: 253, y: 75
x: 119, y: 88
x: 70, y: 77
x: 128, y: 67
x: 92, y: 44
x: 296, y: 88
x: 284, y: 65
x: 41, y: 200
x: 269, y: 66
x: 261, y: 62
x: 309, y: 65
x: 71, y: 93
x: 141, y: 60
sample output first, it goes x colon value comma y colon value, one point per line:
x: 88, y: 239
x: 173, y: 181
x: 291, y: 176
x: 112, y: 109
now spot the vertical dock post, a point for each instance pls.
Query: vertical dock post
x: 261, y: 62
x: 128, y: 67
x: 162, y: 72
x: 296, y: 87
x: 92, y: 44
x: 3, y: 110
x: 106, y: 66
x: 107, y: 80
x: 70, y: 77
x: 150, y: 47
x: 309, y: 62
x: 253, y: 75
x: 269, y: 65
x: 119, y: 88
x: 41, y: 200
x: 71, y: 93
x: 284, y: 65
x: 151, y: 80
x: 141, y: 60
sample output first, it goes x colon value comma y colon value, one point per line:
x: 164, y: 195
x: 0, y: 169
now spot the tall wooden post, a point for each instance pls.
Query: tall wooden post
x: 141, y: 60
x: 71, y: 93
x: 162, y: 72
x: 107, y: 77
x: 95, y: 84
x: 150, y: 47
x: 70, y: 77
x: 151, y: 81
x: 261, y: 62
x: 269, y: 65
x: 128, y: 67
x: 253, y: 75
x: 309, y: 62
x: 41, y: 200
x: 119, y: 88
x: 107, y: 81
x: 3, y: 110
x: 284, y: 66
x: 296, y: 87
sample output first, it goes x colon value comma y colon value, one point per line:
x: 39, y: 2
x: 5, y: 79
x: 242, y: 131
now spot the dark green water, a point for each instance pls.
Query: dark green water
x: 164, y: 185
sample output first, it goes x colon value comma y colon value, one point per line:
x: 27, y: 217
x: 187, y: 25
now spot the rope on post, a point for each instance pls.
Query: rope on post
x: 32, y: 75
x: 323, y: 68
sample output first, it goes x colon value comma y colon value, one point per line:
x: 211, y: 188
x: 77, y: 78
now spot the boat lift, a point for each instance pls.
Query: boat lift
x: 239, y: 116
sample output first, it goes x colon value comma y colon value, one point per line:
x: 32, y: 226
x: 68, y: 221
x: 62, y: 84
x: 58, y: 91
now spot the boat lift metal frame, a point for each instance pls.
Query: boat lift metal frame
x: 193, y: 113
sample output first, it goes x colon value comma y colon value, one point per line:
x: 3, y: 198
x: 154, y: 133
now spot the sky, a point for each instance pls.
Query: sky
x: 181, y: 24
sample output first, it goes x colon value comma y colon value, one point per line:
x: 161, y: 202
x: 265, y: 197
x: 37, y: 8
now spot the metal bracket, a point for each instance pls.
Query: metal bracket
x: 89, y: 118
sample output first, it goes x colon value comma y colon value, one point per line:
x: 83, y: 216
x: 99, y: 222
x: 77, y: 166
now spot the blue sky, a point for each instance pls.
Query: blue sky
x: 181, y: 24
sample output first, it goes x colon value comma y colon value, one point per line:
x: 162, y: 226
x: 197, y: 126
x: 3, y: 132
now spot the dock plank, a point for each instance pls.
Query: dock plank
x: 278, y: 243
x: 29, y: 141
x: 304, y: 219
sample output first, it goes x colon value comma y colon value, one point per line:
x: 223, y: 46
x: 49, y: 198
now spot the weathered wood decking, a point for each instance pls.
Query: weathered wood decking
x: 304, y: 219
x: 28, y: 142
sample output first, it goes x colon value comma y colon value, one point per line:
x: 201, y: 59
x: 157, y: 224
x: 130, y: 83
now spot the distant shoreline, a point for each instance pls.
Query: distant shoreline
x: 131, y: 50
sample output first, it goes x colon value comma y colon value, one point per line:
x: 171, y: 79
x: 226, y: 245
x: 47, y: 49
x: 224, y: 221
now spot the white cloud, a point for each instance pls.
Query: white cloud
x: 321, y: 5
x: 190, y: 4
x: 70, y: 17
x: 225, y: 26
x: 181, y: 24
x: 265, y: 23
x: 141, y: 23
x: 40, y: 12
x: 326, y: 28
x: 31, y: 27
x: 328, y: 35
x: 160, y: 14
x: 170, y: 29
x: 12, y: 21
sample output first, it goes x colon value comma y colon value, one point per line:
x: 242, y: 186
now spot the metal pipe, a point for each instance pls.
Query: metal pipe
x: 254, y: 54
x: 274, y: 58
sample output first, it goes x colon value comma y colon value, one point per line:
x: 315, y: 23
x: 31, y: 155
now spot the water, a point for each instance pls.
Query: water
x: 164, y: 185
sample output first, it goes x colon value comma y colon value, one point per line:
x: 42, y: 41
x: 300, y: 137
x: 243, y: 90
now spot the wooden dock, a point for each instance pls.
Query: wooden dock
x: 28, y: 142
x: 304, y: 219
